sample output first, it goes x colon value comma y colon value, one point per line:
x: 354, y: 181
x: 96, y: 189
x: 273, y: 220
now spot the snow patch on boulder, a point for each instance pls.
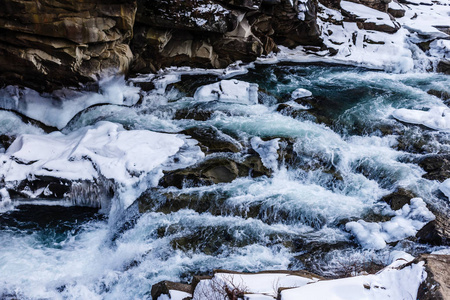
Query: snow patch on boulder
x: 406, y: 222
x: 233, y: 91
x: 437, y: 118
x: 300, y: 93
x: 133, y: 160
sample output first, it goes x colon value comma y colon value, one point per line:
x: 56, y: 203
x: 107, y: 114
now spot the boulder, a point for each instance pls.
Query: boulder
x: 49, y: 44
x: 215, y: 170
x: 436, y: 166
x: 165, y: 288
x: 444, y: 66
x: 436, y: 232
x: 398, y: 198
x: 437, y: 284
x: 212, y: 140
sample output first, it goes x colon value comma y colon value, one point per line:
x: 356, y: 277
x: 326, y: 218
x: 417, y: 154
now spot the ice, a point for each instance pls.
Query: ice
x: 233, y: 91
x: 300, y: 93
x: 255, y: 286
x: 390, y: 283
x: 104, y: 149
x: 445, y: 188
x: 267, y: 150
x: 407, y: 221
x: 437, y: 118
x: 59, y: 108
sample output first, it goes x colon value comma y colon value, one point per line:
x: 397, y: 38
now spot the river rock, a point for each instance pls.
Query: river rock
x: 212, y: 140
x: 437, y: 284
x: 49, y: 44
x: 214, y: 170
x: 436, y: 232
x: 436, y: 166
x: 444, y: 66
x: 398, y: 198
x: 165, y: 287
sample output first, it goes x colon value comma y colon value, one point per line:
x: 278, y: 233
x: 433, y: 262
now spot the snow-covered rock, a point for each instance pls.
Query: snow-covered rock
x: 254, y: 286
x: 372, y: 19
x: 407, y: 222
x: 267, y: 150
x: 437, y: 118
x: 60, y: 107
x: 234, y: 91
x: 394, y: 282
x: 133, y: 160
x: 445, y: 188
x: 301, y: 93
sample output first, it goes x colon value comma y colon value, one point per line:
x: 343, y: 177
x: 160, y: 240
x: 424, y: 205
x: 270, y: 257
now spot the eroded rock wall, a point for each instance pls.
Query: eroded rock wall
x: 46, y: 44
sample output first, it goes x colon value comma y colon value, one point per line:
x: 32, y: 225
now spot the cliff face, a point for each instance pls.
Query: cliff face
x: 47, y: 44
x: 208, y: 33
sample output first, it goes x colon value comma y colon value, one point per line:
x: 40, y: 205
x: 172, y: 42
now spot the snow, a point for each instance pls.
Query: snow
x: 233, y: 91
x: 437, y: 118
x: 60, y: 107
x: 406, y: 222
x: 104, y: 149
x: 367, y: 14
x: 175, y: 295
x: 390, y: 283
x: 424, y: 19
x: 300, y: 93
x: 267, y: 151
x: 256, y: 286
x: 445, y: 188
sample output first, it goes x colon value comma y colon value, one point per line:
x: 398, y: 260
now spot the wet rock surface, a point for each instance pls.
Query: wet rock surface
x: 437, y: 284
x: 49, y: 44
x: 215, y: 170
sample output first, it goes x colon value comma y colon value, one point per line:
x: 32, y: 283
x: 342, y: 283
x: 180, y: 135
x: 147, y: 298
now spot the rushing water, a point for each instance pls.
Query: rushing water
x: 342, y: 155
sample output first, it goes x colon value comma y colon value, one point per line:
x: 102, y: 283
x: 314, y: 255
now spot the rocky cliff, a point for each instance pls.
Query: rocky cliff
x: 47, y: 44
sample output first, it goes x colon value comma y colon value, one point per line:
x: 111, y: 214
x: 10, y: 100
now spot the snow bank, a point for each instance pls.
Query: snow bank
x: 175, y: 295
x: 105, y: 149
x: 367, y: 14
x: 300, y: 93
x: 267, y: 151
x: 390, y: 283
x: 445, y: 188
x: 437, y: 118
x: 60, y: 107
x: 407, y: 221
x: 234, y: 91
x: 255, y: 286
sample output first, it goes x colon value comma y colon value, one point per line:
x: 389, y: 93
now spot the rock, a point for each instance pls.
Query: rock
x: 436, y: 232
x: 440, y: 94
x: 436, y: 166
x: 398, y: 198
x: 444, y: 66
x: 437, y: 284
x: 214, y: 170
x: 396, y: 10
x: 46, y: 45
x: 212, y: 140
x: 164, y: 288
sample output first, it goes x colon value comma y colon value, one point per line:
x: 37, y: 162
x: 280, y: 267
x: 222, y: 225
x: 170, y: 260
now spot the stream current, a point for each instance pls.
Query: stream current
x: 342, y: 151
